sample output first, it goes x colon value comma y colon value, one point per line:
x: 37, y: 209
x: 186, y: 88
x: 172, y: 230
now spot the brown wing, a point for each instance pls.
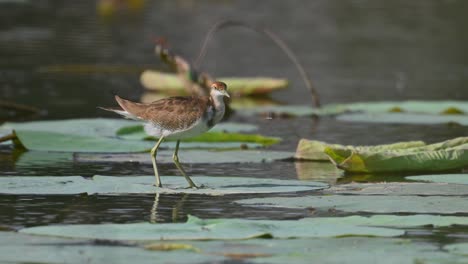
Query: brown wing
x: 170, y: 113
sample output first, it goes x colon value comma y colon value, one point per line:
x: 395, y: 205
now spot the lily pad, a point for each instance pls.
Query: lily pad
x: 412, y: 106
x: 368, y: 203
x: 447, y: 155
x: 99, y: 135
x: 49, y: 141
x: 192, y: 156
x: 144, y: 184
x: 315, y: 150
x: 442, y: 178
x: 105, y: 127
x: 171, y: 83
x: 399, y: 188
x: 220, y: 229
x: 404, y: 118
x: 23, y: 248
x: 136, y: 131
x: 217, y: 135
x: 413, y: 112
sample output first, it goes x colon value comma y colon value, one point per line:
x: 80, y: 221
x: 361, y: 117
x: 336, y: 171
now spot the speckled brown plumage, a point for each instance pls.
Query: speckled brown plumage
x: 171, y: 113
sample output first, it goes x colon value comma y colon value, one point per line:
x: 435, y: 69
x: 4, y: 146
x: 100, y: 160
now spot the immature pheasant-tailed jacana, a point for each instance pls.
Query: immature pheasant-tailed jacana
x: 176, y: 118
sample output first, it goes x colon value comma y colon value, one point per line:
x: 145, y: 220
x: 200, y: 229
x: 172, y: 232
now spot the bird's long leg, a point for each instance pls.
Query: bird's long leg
x: 154, y: 152
x: 175, y: 157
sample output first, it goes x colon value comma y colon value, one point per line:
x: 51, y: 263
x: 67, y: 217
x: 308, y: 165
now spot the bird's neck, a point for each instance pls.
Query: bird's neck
x: 219, y: 106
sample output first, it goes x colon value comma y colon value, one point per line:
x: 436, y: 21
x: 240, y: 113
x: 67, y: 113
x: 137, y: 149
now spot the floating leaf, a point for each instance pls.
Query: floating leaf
x: 233, y: 229
x: 368, y: 203
x: 192, y: 156
x: 105, y: 127
x: 171, y: 83
x: 224, y: 229
x: 98, y: 135
x: 442, y: 178
x: 49, y: 141
x: 404, y: 118
x: 412, y: 106
x: 413, y: 112
x: 399, y: 188
x: 144, y: 184
x: 447, y: 155
x: 216, y: 135
x: 314, y: 150
x: 23, y: 248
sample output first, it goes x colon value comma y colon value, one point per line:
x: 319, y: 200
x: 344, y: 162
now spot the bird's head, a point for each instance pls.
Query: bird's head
x: 219, y: 89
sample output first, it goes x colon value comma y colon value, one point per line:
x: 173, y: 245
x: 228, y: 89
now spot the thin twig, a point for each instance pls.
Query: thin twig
x: 275, y: 38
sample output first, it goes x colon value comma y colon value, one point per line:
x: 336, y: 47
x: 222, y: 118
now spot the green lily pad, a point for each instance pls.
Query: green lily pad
x: 404, y: 118
x: 427, y: 107
x: 192, y: 156
x: 442, y: 178
x: 99, y: 135
x: 368, y: 203
x: 315, y: 150
x: 138, y: 133
x: 220, y: 229
x: 234, y: 229
x: 23, y: 248
x: 418, y: 112
x: 171, y: 83
x: 399, y: 188
x: 447, y: 155
x: 105, y: 127
x: 144, y: 184
x: 49, y: 141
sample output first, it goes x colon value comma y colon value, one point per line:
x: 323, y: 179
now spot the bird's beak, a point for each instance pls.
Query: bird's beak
x: 225, y: 93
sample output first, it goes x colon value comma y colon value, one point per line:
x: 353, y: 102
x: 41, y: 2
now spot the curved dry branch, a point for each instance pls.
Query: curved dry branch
x: 275, y: 38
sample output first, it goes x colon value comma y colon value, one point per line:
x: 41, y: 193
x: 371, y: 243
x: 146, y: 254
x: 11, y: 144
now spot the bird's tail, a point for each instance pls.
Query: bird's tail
x: 120, y: 111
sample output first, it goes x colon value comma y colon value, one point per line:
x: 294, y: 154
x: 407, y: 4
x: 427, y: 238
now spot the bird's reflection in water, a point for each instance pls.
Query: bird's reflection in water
x: 158, y: 214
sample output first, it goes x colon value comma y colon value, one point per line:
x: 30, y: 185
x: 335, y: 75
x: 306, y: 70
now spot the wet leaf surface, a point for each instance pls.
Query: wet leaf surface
x: 368, y: 203
x: 442, y: 178
x: 23, y: 248
x: 144, y: 184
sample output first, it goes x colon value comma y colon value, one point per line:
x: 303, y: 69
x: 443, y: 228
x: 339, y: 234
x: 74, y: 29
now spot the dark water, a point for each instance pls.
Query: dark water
x: 353, y: 50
